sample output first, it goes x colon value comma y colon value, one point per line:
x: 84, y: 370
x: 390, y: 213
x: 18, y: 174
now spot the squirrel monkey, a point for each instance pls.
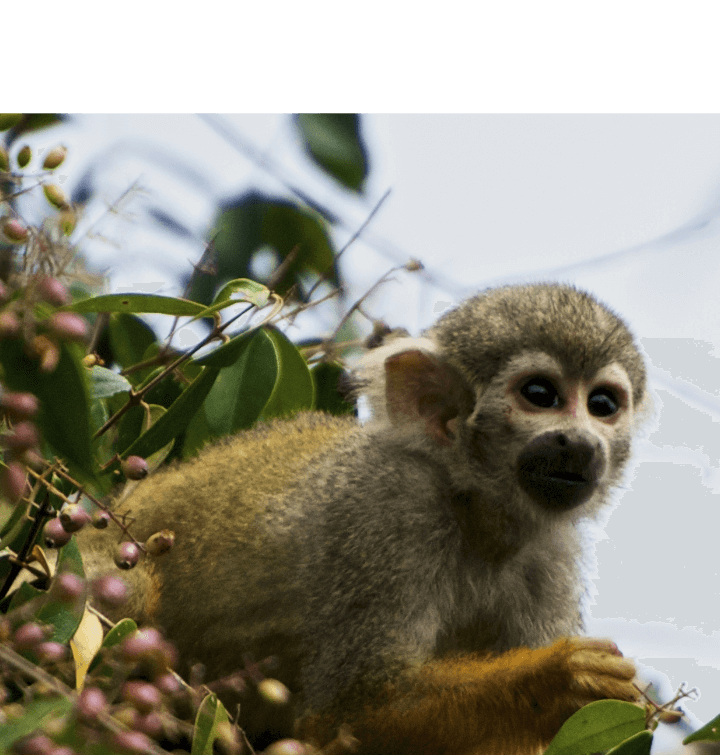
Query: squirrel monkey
x: 418, y: 578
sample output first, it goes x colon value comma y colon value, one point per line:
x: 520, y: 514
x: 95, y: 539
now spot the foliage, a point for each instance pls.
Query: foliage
x: 83, y: 413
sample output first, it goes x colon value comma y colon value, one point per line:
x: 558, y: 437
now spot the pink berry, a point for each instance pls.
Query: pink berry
x: 110, y: 590
x: 68, y: 587
x: 52, y: 291
x: 55, y: 535
x: 134, y: 468
x: 14, y: 481
x: 68, y: 325
x: 20, y: 405
x: 74, y: 517
x: 127, y: 554
x: 132, y: 742
x: 143, y: 696
x: 91, y: 702
x: 28, y: 635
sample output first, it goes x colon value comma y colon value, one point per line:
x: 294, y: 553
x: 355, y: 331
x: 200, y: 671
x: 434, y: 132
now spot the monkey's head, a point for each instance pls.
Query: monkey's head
x: 524, y: 392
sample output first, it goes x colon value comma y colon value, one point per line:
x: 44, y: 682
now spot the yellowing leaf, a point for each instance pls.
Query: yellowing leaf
x: 85, y: 644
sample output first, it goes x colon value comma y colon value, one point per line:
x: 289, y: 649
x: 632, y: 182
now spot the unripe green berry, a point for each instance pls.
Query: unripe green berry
x: 274, y: 692
x: 24, y: 156
x: 9, y: 120
x: 286, y: 747
x: 4, y: 160
x: 55, y: 158
x: 160, y: 542
x: 56, y: 196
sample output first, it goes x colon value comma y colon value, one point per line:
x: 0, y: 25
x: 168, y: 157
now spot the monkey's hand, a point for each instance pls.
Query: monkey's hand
x: 599, y: 671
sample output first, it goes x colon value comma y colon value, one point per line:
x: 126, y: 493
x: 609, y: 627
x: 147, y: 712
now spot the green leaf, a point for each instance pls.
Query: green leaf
x: 105, y: 383
x: 255, y: 222
x: 129, y: 338
x: 639, y: 744
x: 177, y: 417
x: 37, y: 714
x: 210, y: 715
x: 294, y: 389
x: 117, y: 634
x: 136, y: 303
x: 235, y: 291
x: 24, y: 594
x: 64, y: 617
x: 64, y: 416
x: 598, y: 727
x: 333, y: 142
x: 328, y: 397
x: 708, y: 733
x: 243, y: 389
x: 227, y: 354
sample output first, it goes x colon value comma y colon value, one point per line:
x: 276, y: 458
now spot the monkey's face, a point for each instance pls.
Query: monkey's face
x: 572, y: 432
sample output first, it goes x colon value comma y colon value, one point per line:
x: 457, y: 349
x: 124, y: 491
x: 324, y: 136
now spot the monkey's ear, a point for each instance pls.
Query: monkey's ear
x: 421, y: 388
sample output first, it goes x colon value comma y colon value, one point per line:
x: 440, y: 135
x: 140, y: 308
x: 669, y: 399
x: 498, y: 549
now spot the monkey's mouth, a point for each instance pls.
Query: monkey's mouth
x: 558, y: 472
x: 571, y: 478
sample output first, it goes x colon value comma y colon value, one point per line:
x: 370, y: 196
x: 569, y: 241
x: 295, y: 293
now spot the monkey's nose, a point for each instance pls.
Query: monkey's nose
x: 559, y: 469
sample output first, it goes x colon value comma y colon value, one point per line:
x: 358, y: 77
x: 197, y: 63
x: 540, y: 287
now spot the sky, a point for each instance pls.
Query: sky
x: 624, y: 206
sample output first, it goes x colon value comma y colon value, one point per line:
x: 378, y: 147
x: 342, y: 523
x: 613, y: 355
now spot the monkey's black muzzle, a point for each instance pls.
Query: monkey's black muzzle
x: 560, y: 470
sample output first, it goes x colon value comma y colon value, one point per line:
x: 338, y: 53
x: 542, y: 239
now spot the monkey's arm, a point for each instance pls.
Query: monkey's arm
x: 506, y: 705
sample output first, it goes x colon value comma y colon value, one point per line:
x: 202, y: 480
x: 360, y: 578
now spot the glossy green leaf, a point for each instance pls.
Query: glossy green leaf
x: 105, y: 383
x: 64, y: 617
x: 227, y: 354
x: 236, y: 291
x: 24, y: 594
x: 64, y: 416
x: 328, y: 396
x: 36, y: 715
x: 129, y: 338
x: 117, y: 634
x: 638, y: 744
x: 333, y: 141
x: 242, y: 390
x: 177, y: 417
x: 294, y: 389
x: 210, y: 715
x: 708, y: 733
x: 256, y: 222
x: 598, y: 727
x: 136, y: 303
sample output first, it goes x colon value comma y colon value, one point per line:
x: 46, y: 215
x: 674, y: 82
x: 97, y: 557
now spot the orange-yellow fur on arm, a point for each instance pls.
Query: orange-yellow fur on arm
x: 510, y: 704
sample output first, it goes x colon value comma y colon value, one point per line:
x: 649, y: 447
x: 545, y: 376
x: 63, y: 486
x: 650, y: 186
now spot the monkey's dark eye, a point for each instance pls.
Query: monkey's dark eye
x: 602, y: 403
x: 541, y: 392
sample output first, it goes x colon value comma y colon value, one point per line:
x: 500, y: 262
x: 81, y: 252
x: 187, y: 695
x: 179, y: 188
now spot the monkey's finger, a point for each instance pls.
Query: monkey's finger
x: 600, y: 663
x: 596, y: 643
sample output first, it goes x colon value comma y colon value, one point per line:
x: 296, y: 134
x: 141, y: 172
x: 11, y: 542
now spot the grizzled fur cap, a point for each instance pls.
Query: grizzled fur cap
x: 486, y: 330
